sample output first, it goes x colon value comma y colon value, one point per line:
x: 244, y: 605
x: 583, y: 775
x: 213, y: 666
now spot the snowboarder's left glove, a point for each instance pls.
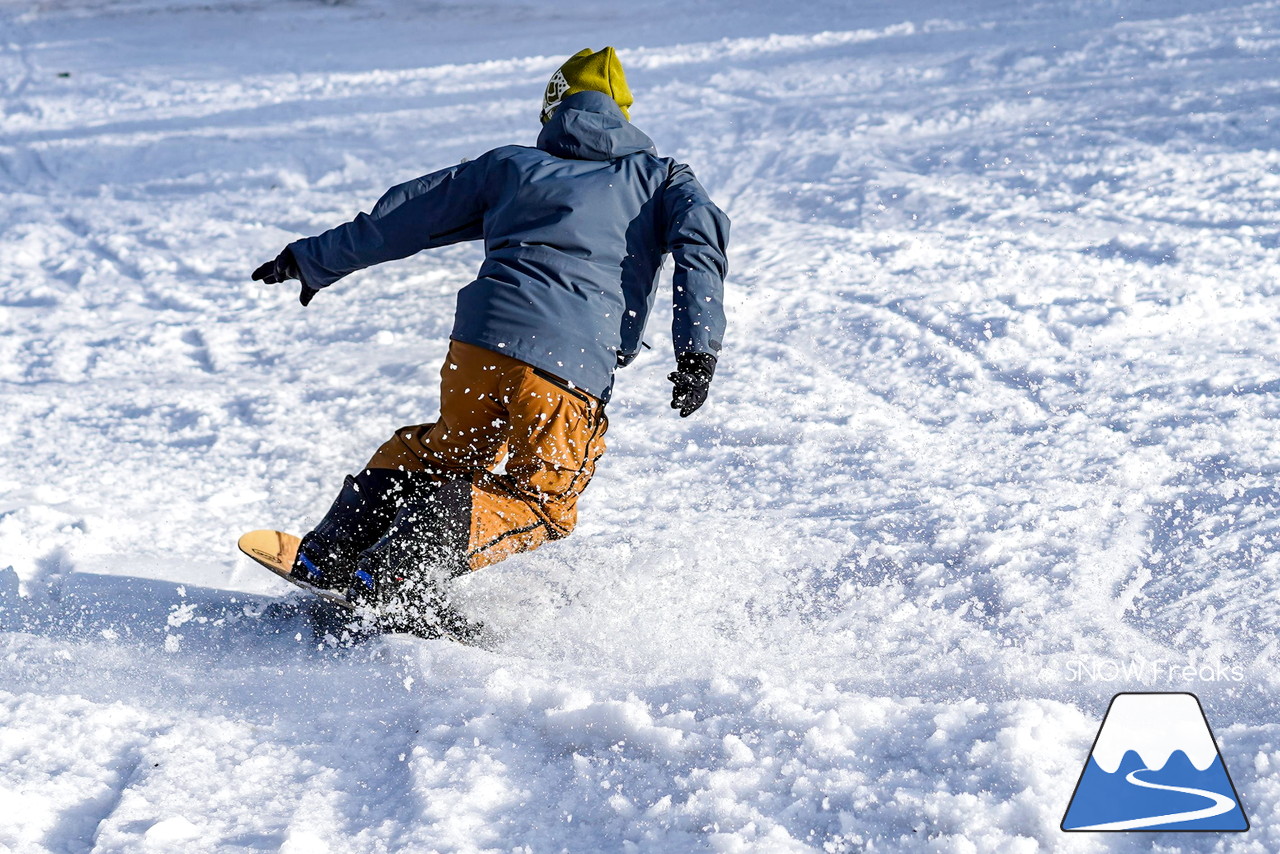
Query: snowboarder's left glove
x: 283, y: 268
x: 692, y: 381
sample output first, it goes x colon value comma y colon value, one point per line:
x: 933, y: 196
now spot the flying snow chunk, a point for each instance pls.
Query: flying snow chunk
x: 1155, y: 766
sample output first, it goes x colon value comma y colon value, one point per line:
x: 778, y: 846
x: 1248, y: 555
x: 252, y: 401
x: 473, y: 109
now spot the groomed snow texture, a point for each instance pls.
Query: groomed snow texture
x: 993, y: 435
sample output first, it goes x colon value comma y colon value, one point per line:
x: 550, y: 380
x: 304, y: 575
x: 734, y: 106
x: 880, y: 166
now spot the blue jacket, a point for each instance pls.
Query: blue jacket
x: 575, y: 232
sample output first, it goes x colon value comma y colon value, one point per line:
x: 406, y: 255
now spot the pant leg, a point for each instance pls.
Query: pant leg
x: 470, y: 433
x: 490, y: 403
x: 409, y: 466
x: 554, y: 440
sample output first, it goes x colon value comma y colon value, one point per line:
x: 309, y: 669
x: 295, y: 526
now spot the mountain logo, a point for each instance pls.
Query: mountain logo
x: 1155, y: 766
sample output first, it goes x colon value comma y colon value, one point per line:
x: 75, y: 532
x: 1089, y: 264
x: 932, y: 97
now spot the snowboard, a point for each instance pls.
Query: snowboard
x: 276, y: 551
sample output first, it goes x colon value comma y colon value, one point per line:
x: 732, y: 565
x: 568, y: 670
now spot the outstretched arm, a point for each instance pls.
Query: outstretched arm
x: 435, y: 210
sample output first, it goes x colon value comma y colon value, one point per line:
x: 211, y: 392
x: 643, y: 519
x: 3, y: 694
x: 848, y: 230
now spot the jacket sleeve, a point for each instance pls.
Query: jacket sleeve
x: 697, y: 238
x: 435, y: 210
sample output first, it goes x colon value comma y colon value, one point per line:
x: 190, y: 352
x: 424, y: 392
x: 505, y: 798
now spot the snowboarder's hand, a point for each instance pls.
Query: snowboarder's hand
x: 692, y: 380
x: 282, y: 269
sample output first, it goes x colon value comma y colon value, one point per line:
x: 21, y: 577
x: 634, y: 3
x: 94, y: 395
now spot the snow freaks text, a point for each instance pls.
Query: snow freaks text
x: 1150, y: 672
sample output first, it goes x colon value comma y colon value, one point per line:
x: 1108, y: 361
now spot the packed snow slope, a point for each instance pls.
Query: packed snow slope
x: 992, y: 437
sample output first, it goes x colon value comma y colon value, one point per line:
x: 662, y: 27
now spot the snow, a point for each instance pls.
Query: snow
x: 1154, y: 726
x: 992, y: 438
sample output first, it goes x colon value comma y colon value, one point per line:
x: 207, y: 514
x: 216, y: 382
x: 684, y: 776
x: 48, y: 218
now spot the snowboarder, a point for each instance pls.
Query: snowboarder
x: 575, y: 231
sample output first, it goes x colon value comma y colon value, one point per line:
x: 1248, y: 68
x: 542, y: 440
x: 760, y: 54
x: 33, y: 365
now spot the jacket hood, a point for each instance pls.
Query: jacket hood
x: 590, y: 126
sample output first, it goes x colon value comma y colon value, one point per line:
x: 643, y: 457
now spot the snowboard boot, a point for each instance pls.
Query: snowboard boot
x: 405, y: 576
x: 360, y: 515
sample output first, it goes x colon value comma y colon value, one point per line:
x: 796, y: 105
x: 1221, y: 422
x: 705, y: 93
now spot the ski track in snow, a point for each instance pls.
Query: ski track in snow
x: 998, y: 398
x: 1221, y: 804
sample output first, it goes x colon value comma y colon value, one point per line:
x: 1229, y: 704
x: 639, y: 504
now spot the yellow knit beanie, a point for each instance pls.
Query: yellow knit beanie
x: 600, y: 71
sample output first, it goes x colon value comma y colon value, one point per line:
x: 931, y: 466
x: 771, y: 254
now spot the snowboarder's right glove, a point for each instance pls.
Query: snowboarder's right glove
x: 692, y: 381
x: 283, y: 268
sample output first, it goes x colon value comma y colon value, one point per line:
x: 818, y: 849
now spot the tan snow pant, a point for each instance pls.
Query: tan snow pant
x: 492, y: 406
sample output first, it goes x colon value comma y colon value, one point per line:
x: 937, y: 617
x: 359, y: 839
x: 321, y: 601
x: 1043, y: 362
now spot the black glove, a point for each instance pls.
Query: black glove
x: 625, y: 359
x: 692, y: 379
x: 283, y: 268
